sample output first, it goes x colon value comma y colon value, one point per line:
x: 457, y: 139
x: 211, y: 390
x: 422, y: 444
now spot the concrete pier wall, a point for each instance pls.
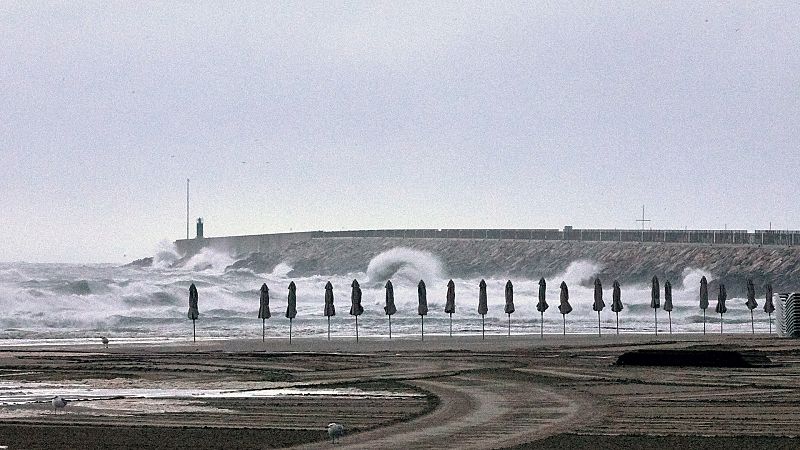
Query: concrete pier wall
x: 260, y: 243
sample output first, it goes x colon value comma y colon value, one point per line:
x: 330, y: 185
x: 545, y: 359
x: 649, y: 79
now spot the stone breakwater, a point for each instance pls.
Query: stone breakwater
x: 629, y: 262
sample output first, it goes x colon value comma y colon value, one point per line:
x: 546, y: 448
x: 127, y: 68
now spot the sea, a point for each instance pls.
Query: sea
x: 77, y: 303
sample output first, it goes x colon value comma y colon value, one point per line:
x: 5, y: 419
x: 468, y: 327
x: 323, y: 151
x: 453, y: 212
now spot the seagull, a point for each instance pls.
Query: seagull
x: 105, y: 340
x: 335, y: 431
x: 59, y: 403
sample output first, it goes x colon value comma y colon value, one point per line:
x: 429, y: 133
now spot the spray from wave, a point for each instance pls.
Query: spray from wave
x: 166, y: 255
x: 404, y: 263
x: 579, y: 272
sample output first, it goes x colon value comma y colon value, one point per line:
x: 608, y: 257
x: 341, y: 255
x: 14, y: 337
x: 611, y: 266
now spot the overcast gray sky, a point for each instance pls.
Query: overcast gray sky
x: 332, y: 115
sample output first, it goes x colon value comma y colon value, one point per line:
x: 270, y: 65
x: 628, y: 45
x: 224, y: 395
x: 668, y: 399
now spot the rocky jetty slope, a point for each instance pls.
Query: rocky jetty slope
x: 625, y: 261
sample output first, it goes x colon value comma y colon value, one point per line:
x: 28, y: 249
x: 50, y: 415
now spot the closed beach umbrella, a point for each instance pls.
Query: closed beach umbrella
x: 598, y: 304
x: 291, y: 307
x: 564, y: 307
x: 616, y: 301
x: 509, y: 308
x: 721, y: 308
x: 483, y: 307
x: 390, y: 309
x: 751, y: 303
x: 422, y: 309
x: 769, y: 307
x: 194, y: 313
x: 704, y: 299
x: 330, y: 310
x: 542, y: 305
x: 450, y: 305
x: 355, y: 303
x: 668, y: 302
x: 655, y: 299
x: 263, y: 308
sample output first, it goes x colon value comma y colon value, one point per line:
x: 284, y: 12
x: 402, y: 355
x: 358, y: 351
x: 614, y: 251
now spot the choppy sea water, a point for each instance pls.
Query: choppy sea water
x: 70, y: 303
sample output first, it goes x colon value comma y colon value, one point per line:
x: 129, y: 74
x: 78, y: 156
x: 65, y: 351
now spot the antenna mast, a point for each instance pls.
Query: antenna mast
x: 187, y: 208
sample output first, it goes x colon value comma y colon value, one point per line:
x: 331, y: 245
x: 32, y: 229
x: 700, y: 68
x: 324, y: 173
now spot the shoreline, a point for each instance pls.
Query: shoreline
x: 460, y: 341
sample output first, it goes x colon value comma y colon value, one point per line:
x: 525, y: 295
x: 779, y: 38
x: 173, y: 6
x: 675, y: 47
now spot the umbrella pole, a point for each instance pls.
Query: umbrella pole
x: 483, y: 326
x: 390, y: 326
x: 422, y: 321
x: 720, y: 323
x: 509, y: 324
x: 704, y: 321
x: 655, y: 311
x: 451, y: 324
x: 290, y: 331
x: 598, y: 323
x: 356, y: 328
x: 617, y: 322
x: 752, y: 324
x: 329, y: 328
x: 565, y: 323
x: 541, y: 327
x: 194, y: 334
x: 770, y: 323
x: 669, y: 314
x: 263, y: 329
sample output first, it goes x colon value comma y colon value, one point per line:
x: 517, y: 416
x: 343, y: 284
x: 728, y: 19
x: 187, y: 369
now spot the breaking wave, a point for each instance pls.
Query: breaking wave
x: 82, y: 301
x: 404, y: 263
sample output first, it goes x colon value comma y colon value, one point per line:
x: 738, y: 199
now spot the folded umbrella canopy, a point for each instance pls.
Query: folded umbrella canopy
x: 291, y: 307
x: 330, y: 309
x: 390, y: 309
x: 450, y: 305
x: 751, y: 303
x: 194, y: 313
x: 668, y: 302
x: 655, y: 299
x: 564, y: 307
x: 263, y: 309
x: 769, y: 307
x: 355, y: 303
x: 509, y: 308
x: 422, y: 309
x: 598, y: 304
x: 721, y: 308
x: 616, y: 301
x: 542, y: 305
x: 483, y: 307
x: 704, y: 299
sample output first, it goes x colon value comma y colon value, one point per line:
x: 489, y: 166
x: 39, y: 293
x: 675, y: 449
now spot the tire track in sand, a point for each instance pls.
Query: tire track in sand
x: 477, y: 410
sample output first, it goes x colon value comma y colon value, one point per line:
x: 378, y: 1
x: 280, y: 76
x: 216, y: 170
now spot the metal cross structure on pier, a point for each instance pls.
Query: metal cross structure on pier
x: 643, y: 220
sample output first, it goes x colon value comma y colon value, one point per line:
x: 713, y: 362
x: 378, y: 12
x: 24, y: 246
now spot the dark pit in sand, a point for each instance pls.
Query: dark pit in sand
x: 694, y: 358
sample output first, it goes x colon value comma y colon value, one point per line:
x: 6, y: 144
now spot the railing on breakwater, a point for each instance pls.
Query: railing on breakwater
x: 264, y: 242
x: 732, y: 237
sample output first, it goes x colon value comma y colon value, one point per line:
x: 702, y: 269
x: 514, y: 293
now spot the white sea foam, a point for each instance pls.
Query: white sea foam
x: 404, y: 263
x: 136, y: 303
x: 165, y: 256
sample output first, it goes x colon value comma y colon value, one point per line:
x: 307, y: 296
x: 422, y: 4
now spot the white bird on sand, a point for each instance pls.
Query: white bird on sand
x: 335, y: 431
x: 59, y: 403
x: 105, y: 340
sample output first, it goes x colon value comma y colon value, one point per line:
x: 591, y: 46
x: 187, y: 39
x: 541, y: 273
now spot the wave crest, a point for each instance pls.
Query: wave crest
x: 405, y: 263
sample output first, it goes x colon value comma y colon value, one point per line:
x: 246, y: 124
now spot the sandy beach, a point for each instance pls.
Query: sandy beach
x: 461, y: 392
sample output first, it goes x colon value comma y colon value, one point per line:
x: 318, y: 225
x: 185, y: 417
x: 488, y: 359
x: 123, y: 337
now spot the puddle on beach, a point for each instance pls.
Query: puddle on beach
x: 25, y: 393
x: 118, y: 407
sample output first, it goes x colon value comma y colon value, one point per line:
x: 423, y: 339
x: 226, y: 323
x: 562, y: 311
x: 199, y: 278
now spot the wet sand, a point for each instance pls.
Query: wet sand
x: 461, y: 392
